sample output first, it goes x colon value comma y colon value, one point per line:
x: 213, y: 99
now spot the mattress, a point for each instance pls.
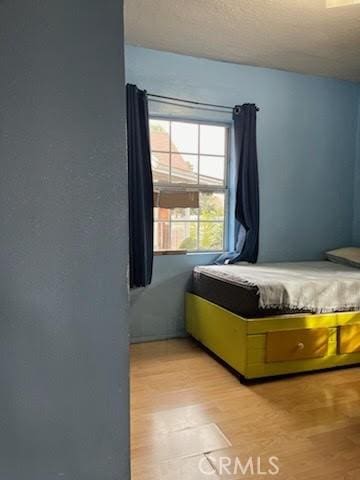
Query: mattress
x: 261, y: 290
x: 241, y: 300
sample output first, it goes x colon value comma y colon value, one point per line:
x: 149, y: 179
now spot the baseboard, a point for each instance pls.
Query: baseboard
x: 154, y: 338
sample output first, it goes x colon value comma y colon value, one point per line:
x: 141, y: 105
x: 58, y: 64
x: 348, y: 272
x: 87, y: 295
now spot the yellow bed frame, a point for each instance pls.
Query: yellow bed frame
x: 278, y: 345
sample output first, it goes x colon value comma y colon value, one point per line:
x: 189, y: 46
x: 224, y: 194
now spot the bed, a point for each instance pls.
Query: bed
x: 280, y: 318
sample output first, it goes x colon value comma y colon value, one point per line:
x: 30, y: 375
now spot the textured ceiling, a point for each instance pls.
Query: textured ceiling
x: 296, y: 35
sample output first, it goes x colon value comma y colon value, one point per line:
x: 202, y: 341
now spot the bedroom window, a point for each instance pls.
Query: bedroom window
x: 189, y: 162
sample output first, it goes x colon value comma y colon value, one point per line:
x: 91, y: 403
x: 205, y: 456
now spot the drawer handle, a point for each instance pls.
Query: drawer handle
x: 300, y: 346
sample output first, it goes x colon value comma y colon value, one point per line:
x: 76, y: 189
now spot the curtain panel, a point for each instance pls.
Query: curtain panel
x: 141, y: 221
x: 247, y: 187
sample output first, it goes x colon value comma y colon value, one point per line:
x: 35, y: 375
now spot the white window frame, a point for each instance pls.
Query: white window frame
x: 197, y: 186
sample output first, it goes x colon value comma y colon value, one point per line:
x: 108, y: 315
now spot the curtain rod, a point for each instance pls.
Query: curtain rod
x: 208, y: 109
x: 193, y: 102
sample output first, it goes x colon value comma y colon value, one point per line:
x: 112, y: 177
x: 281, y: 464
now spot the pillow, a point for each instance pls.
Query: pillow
x: 347, y: 256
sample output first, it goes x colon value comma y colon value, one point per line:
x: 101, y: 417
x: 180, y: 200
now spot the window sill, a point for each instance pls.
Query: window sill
x: 184, y: 252
x: 170, y: 252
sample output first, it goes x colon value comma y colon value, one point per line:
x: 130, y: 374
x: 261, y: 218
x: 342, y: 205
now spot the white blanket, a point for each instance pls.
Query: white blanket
x: 318, y: 287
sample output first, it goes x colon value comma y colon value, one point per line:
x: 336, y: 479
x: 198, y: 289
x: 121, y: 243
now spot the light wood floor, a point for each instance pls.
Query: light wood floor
x: 186, y: 408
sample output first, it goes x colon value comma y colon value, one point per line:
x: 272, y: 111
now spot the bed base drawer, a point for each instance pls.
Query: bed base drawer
x: 247, y: 345
x: 349, y: 339
x: 299, y: 344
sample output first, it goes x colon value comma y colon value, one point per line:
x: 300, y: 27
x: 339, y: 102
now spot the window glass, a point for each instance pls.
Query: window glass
x: 160, y: 163
x: 212, y: 170
x: 211, y: 236
x: 186, y: 158
x: 184, y: 137
x: 160, y: 135
x: 212, y: 140
x: 212, y: 206
x: 183, y: 235
x: 184, y: 168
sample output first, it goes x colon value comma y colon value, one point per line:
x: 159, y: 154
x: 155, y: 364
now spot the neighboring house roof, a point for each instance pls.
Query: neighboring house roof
x: 181, y: 170
x: 160, y: 142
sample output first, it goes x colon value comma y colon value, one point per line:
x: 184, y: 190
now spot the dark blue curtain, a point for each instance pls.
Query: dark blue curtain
x: 140, y: 188
x: 247, y: 187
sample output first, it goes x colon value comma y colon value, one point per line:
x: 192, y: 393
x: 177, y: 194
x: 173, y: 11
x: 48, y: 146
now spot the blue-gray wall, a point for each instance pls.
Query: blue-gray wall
x: 306, y: 142
x: 356, y: 224
x: 63, y: 242
x: 157, y: 311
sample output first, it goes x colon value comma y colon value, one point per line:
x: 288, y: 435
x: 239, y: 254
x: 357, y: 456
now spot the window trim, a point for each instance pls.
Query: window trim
x: 211, y: 188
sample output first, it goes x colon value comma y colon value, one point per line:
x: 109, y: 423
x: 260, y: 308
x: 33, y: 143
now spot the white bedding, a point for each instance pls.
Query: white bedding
x: 318, y: 287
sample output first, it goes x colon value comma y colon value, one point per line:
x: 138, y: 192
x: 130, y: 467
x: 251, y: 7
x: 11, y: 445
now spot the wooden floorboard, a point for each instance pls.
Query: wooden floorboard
x: 191, y: 417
